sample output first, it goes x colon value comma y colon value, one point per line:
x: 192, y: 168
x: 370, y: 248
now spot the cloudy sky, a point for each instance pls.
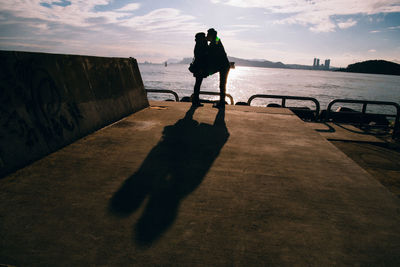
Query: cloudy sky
x: 290, y: 31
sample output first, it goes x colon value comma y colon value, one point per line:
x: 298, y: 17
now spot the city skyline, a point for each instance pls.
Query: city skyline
x: 324, y: 66
x: 290, y: 31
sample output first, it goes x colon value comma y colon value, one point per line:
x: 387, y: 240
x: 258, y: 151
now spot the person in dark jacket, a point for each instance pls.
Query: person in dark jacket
x: 199, y: 65
x: 218, y: 62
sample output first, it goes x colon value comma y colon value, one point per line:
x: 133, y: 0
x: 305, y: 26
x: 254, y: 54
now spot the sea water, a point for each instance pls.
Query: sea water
x: 244, y: 82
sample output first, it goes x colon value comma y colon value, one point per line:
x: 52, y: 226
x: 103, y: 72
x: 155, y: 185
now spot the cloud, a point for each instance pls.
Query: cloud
x: 246, y: 26
x: 317, y: 15
x: 83, y: 14
x: 95, y: 27
x: 163, y: 20
x: 78, y: 13
x: 372, y: 51
x: 347, y: 24
x: 394, y: 28
x: 129, y: 7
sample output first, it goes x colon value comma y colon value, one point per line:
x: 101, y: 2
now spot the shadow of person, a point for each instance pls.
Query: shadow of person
x: 174, y: 168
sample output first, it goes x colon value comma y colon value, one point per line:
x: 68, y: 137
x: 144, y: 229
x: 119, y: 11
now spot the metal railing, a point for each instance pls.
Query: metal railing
x: 164, y: 91
x: 364, y: 114
x: 216, y: 93
x: 360, y: 115
x: 286, y: 97
x: 177, y: 97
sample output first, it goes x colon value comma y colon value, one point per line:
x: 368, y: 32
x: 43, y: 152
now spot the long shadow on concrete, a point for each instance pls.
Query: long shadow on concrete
x: 174, y: 168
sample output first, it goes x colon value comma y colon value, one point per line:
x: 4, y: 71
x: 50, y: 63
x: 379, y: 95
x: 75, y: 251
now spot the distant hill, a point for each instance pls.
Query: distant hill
x: 374, y: 67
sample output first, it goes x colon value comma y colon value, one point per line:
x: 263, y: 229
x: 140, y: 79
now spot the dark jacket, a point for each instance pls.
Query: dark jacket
x: 201, y: 59
x: 217, y: 58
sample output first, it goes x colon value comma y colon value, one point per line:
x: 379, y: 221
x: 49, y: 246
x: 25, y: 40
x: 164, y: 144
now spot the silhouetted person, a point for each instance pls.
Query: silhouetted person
x: 173, y: 169
x: 218, y: 62
x: 199, y: 65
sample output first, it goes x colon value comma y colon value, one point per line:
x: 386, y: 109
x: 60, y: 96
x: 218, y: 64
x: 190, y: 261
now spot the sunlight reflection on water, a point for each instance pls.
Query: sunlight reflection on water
x: 244, y: 82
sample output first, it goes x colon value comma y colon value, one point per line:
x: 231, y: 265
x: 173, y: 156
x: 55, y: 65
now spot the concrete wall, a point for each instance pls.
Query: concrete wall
x: 48, y: 101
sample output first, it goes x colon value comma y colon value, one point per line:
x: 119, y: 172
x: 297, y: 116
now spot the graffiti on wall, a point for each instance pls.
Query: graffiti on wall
x: 31, y: 102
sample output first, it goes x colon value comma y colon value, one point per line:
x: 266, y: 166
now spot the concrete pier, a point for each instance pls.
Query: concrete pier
x: 170, y: 185
x: 48, y: 101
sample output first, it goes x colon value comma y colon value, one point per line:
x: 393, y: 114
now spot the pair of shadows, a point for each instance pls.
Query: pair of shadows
x: 347, y: 128
x: 174, y: 168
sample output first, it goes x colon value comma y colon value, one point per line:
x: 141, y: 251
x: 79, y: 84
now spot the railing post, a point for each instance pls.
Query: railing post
x: 364, y: 108
x: 328, y: 110
x: 396, y: 127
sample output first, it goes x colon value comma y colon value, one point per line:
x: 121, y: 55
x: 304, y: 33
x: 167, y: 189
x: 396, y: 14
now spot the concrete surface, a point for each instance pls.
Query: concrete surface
x: 381, y: 160
x: 378, y: 154
x: 161, y: 187
x: 48, y: 101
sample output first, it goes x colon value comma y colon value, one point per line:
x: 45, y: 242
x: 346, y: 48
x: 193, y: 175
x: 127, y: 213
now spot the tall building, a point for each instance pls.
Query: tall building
x: 327, y: 63
x: 316, y: 63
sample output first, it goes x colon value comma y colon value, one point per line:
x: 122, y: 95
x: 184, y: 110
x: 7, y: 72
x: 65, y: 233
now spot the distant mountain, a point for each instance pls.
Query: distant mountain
x: 374, y: 67
x: 186, y: 60
x: 173, y: 60
x: 246, y: 62
x: 298, y: 66
x: 257, y: 63
x: 261, y: 63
